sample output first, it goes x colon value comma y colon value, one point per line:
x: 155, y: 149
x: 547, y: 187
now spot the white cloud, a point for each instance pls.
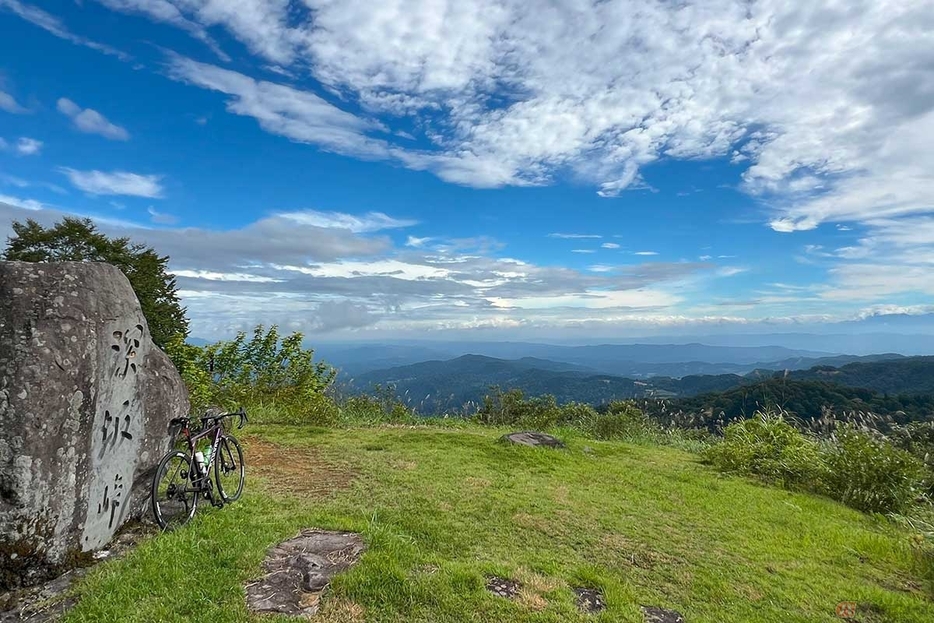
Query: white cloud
x: 53, y: 25
x: 161, y: 218
x: 415, y: 242
x: 26, y: 204
x: 166, y: 12
x: 9, y: 104
x: 28, y: 146
x: 91, y: 122
x: 583, y: 251
x: 646, y: 253
x: 299, y: 115
x: 609, y: 245
x: 115, y: 183
x: 369, y: 222
x: 574, y: 236
x: 827, y: 106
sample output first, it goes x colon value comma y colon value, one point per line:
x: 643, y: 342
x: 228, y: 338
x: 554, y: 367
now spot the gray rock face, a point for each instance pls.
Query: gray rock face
x: 85, y: 404
x: 297, y: 572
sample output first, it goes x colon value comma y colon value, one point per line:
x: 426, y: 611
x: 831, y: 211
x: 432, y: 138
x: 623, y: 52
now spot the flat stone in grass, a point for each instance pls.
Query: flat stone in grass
x: 532, y: 438
x: 297, y: 571
x: 590, y: 600
x: 503, y: 587
x: 653, y: 614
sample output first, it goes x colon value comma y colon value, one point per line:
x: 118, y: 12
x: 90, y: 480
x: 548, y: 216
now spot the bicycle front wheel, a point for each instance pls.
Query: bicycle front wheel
x: 174, y: 496
x: 228, y: 469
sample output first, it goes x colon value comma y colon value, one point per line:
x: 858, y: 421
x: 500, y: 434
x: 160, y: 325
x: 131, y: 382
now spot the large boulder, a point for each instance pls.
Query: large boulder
x: 85, y: 404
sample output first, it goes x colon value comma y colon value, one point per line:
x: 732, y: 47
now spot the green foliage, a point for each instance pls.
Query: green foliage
x: 769, y: 447
x: 77, y: 240
x: 511, y: 408
x: 273, y: 377
x: 871, y: 474
x: 621, y: 420
x: 808, y: 401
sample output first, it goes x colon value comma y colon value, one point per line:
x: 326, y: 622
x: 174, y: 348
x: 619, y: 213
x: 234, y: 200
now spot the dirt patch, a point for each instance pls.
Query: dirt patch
x: 296, y: 471
x: 637, y: 554
x: 299, y: 570
x: 534, y: 439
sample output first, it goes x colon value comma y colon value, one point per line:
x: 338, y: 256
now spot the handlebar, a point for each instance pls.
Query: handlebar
x: 208, y: 419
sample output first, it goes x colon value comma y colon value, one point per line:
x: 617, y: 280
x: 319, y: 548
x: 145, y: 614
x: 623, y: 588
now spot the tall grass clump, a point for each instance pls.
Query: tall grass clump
x: 769, y: 447
x: 380, y: 406
x: 870, y: 474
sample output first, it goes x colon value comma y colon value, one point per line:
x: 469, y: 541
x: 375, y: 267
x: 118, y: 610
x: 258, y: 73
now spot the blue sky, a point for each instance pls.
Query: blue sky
x: 416, y: 168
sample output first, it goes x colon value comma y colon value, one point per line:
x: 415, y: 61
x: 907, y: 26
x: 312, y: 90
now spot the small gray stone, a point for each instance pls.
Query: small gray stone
x: 654, y: 614
x: 533, y: 439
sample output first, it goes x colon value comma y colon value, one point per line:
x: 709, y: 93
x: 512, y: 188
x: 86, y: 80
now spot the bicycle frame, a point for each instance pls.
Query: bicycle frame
x: 218, y: 432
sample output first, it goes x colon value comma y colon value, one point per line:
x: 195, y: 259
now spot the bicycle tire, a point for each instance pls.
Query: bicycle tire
x: 165, y: 502
x: 228, y: 462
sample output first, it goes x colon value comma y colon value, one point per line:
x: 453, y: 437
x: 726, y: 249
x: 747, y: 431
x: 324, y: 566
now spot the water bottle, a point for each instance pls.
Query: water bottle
x: 207, y: 456
x: 199, y: 459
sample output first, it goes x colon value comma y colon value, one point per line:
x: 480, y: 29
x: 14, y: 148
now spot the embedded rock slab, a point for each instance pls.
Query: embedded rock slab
x: 297, y: 571
x: 85, y: 404
x: 531, y: 438
x: 653, y: 614
x: 589, y: 600
x: 503, y: 587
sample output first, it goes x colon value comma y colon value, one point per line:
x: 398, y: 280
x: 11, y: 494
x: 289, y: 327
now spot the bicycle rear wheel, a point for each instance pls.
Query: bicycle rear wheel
x: 228, y: 469
x: 174, y: 498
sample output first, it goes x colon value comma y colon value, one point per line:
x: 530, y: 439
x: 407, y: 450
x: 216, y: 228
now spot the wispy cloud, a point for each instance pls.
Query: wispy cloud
x: 54, y: 25
x: 574, y: 236
x: 161, y: 218
x: 609, y: 245
x: 646, y: 253
x: 90, y: 121
x: 9, y: 104
x: 115, y: 183
x: 369, y: 222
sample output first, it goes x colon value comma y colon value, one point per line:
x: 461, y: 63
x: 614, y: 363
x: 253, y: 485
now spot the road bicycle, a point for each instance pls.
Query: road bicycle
x: 182, y: 478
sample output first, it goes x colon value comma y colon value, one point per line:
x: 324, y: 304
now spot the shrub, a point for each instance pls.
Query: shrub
x: 769, y: 447
x: 621, y: 420
x: 871, y: 474
x: 511, y: 408
x: 273, y: 377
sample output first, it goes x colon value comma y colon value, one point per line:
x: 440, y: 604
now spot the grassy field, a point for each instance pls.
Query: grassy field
x: 442, y: 508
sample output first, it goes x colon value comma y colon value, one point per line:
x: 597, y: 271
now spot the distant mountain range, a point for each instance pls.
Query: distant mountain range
x: 631, y: 360
x: 437, y: 386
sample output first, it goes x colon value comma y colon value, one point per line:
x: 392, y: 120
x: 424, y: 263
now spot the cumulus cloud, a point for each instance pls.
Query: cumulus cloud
x: 90, y: 121
x: 115, y: 183
x: 826, y: 107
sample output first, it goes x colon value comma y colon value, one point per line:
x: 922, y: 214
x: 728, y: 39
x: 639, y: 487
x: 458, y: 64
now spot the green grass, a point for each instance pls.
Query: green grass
x: 441, y: 508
